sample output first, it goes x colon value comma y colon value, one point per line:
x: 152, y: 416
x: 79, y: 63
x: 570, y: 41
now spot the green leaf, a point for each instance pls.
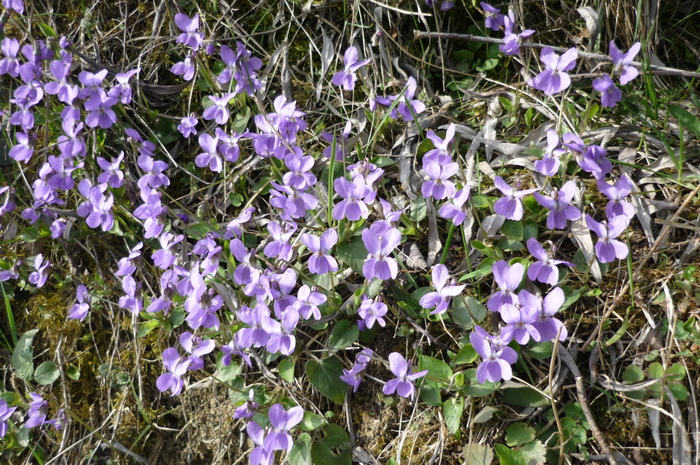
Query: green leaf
x: 488, y: 65
x: 477, y: 454
x: 485, y: 415
x: 522, y: 395
x: 656, y: 370
x: 679, y: 391
x: 312, y: 421
x: 47, y: 30
x: 301, y: 453
x: 325, y: 376
x: 540, y: 351
x: 353, y: 254
x: 633, y: 374
x: 437, y: 369
x: 510, y: 244
x: 466, y: 354
x: 73, y: 373
x: 23, y: 356
x: 452, y: 409
x: 519, y: 433
x: 177, y: 317
x: 467, y: 312
x: 534, y: 453
x: 46, y: 373
x: 344, y: 334
x: 675, y: 372
x: 286, y: 369
x: 509, y: 456
x: 685, y: 118
x: 474, y: 388
x: 336, y: 438
x: 418, y: 209
x: 198, y: 230
x: 513, y: 230
x: 149, y: 326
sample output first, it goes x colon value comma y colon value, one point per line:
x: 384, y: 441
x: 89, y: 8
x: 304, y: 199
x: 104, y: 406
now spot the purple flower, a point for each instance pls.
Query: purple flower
x: 441, y: 298
x: 308, y: 301
x: 5, y: 414
x: 210, y: 157
x: 153, y: 172
x: 616, y: 193
x: 510, y: 205
x: 371, y: 312
x: 519, y: 324
x: 10, y: 64
x: 595, y: 161
x: 282, y: 421
x: 23, y: 150
x: 624, y: 61
x: 511, y: 40
x: 122, y: 90
x: 65, y: 92
x: 607, y: 249
x: 187, y: 126
x: 497, y: 357
x: 548, y: 326
x: 441, y: 152
x: 554, y: 78
x: 320, y: 261
x: 610, y: 94
x: 407, y: 106
x: 80, y: 310
x: 340, y: 144
x: 249, y: 408
x: 177, y: 367
x: 101, y: 215
x: 41, y: 273
x: 38, y: 408
x: 126, y: 267
x: 439, y: 186
x: 347, y: 76
x: 92, y: 83
x: 111, y: 174
x: 494, y: 20
x: 545, y: 268
x: 283, y: 341
x: 164, y: 258
x: 280, y: 234
x: 196, y: 347
x: 403, y: 383
x: 190, y: 36
x: 71, y: 143
x: 184, y: 68
x: 218, y: 111
x: 353, y: 376
x: 508, y: 278
x: 100, y: 113
x: 299, y: 166
x: 16, y: 5
x: 558, y: 204
x: 550, y: 162
x: 354, y: 193
x: 261, y: 325
x: 380, y: 239
x: 260, y: 455
x: 291, y: 203
x: 244, y: 71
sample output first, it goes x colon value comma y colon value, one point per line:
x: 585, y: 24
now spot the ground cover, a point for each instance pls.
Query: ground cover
x: 349, y: 232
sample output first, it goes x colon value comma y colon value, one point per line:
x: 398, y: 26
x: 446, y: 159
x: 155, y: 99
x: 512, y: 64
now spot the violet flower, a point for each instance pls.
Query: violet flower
x: 624, y: 61
x: 111, y: 174
x: 594, y: 160
x: 440, y: 299
x: 153, y: 172
x: 279, y: 247
x: 38, y: 408
x: 24, y: 148
x: 545, y: 268
x: 405, y: 377
x: 260, y: 455
x: 80, y: 309
x: 519, y: 324
x: 245, y: 71
x: 100, y: 113
x: 210, y: 157
x: 248, y: 409
x: 65, y: 92
x: 497, y: 357
x: 371, y: 312
x: 16, y: 5
x: 380, y: 239
x: 508, y: 278
x: 218, y: 111
x: 283, y: 341
x: 510, y: 205
x: 443, y: 147
x: 320, y: 261
x: 282, y: 421
x: 439, y: 185
x: 299, y: 175
x: 550, y: 162
x: 511, y: 40
x: 187, y: 126
x: 607, y: 249
x: 41, y: 273
x: 190, y: 36
x: 164, y: 258
x: 196, y: 347
x: 546, y: 325
x: 5, y: 414
x: 291, y: 203
x: 554, y: 78
x: 610, y: 94
x: 261, y: 325
x: 407, y: 106
x: 92, y: 83
x: 177, y: 367
x: 353, y: 206
x: 184, y: 68
x: 353, y: 376
x: 308, y: 301
x: 617, y: 193
x: 71, y: 143
x: 122, y: 90
x: 340, y: 144
x: 559, y: 205
x: 347, y: 77
x: 10, y: 64
x: 494, y: 20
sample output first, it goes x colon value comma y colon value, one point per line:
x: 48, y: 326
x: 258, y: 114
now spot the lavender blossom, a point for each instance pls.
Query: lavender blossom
x: 5, y: 414
x: 494, y: 20
x: 36, y: 414
x: 196, y: 347
x: 353, y: 376
x: 347, y: 77
x: 519, y: 324
x: 321, y: 262
x: 550, y: 162
x: 546, y: 325
x: 403, y: 383
x: 554, y: 78
x: 187, y: 126
x: 122, y: 90
x: 617, y: 193
x: 623, y: 61
x: 380, y: 239
x: 354, y: 193
x: 80, y: 310
x: 210, y: 157
x: 41, y: 273
x: 371, y: 312
x: 16, y: 5
x: 177, y: 367
x: 308, y: 301
x: 508, y: 278
x: 282, y: 421
x: 510, y: 205
x: 440, y: 299
x: 559, y: 205
x: 190, y: 36
x: 248, y: 409
x: 218, y: 111
x: 511, y: 40
x: 439, y: 186
x: 111, y: 174
x: 497, y: 357
x: 184, y: 68
x: 607, y: 249
x: 610, y: 94
x: 260, y: 455
x: 10, y: 64
x: 23, y: 150
x: 545, y: 268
